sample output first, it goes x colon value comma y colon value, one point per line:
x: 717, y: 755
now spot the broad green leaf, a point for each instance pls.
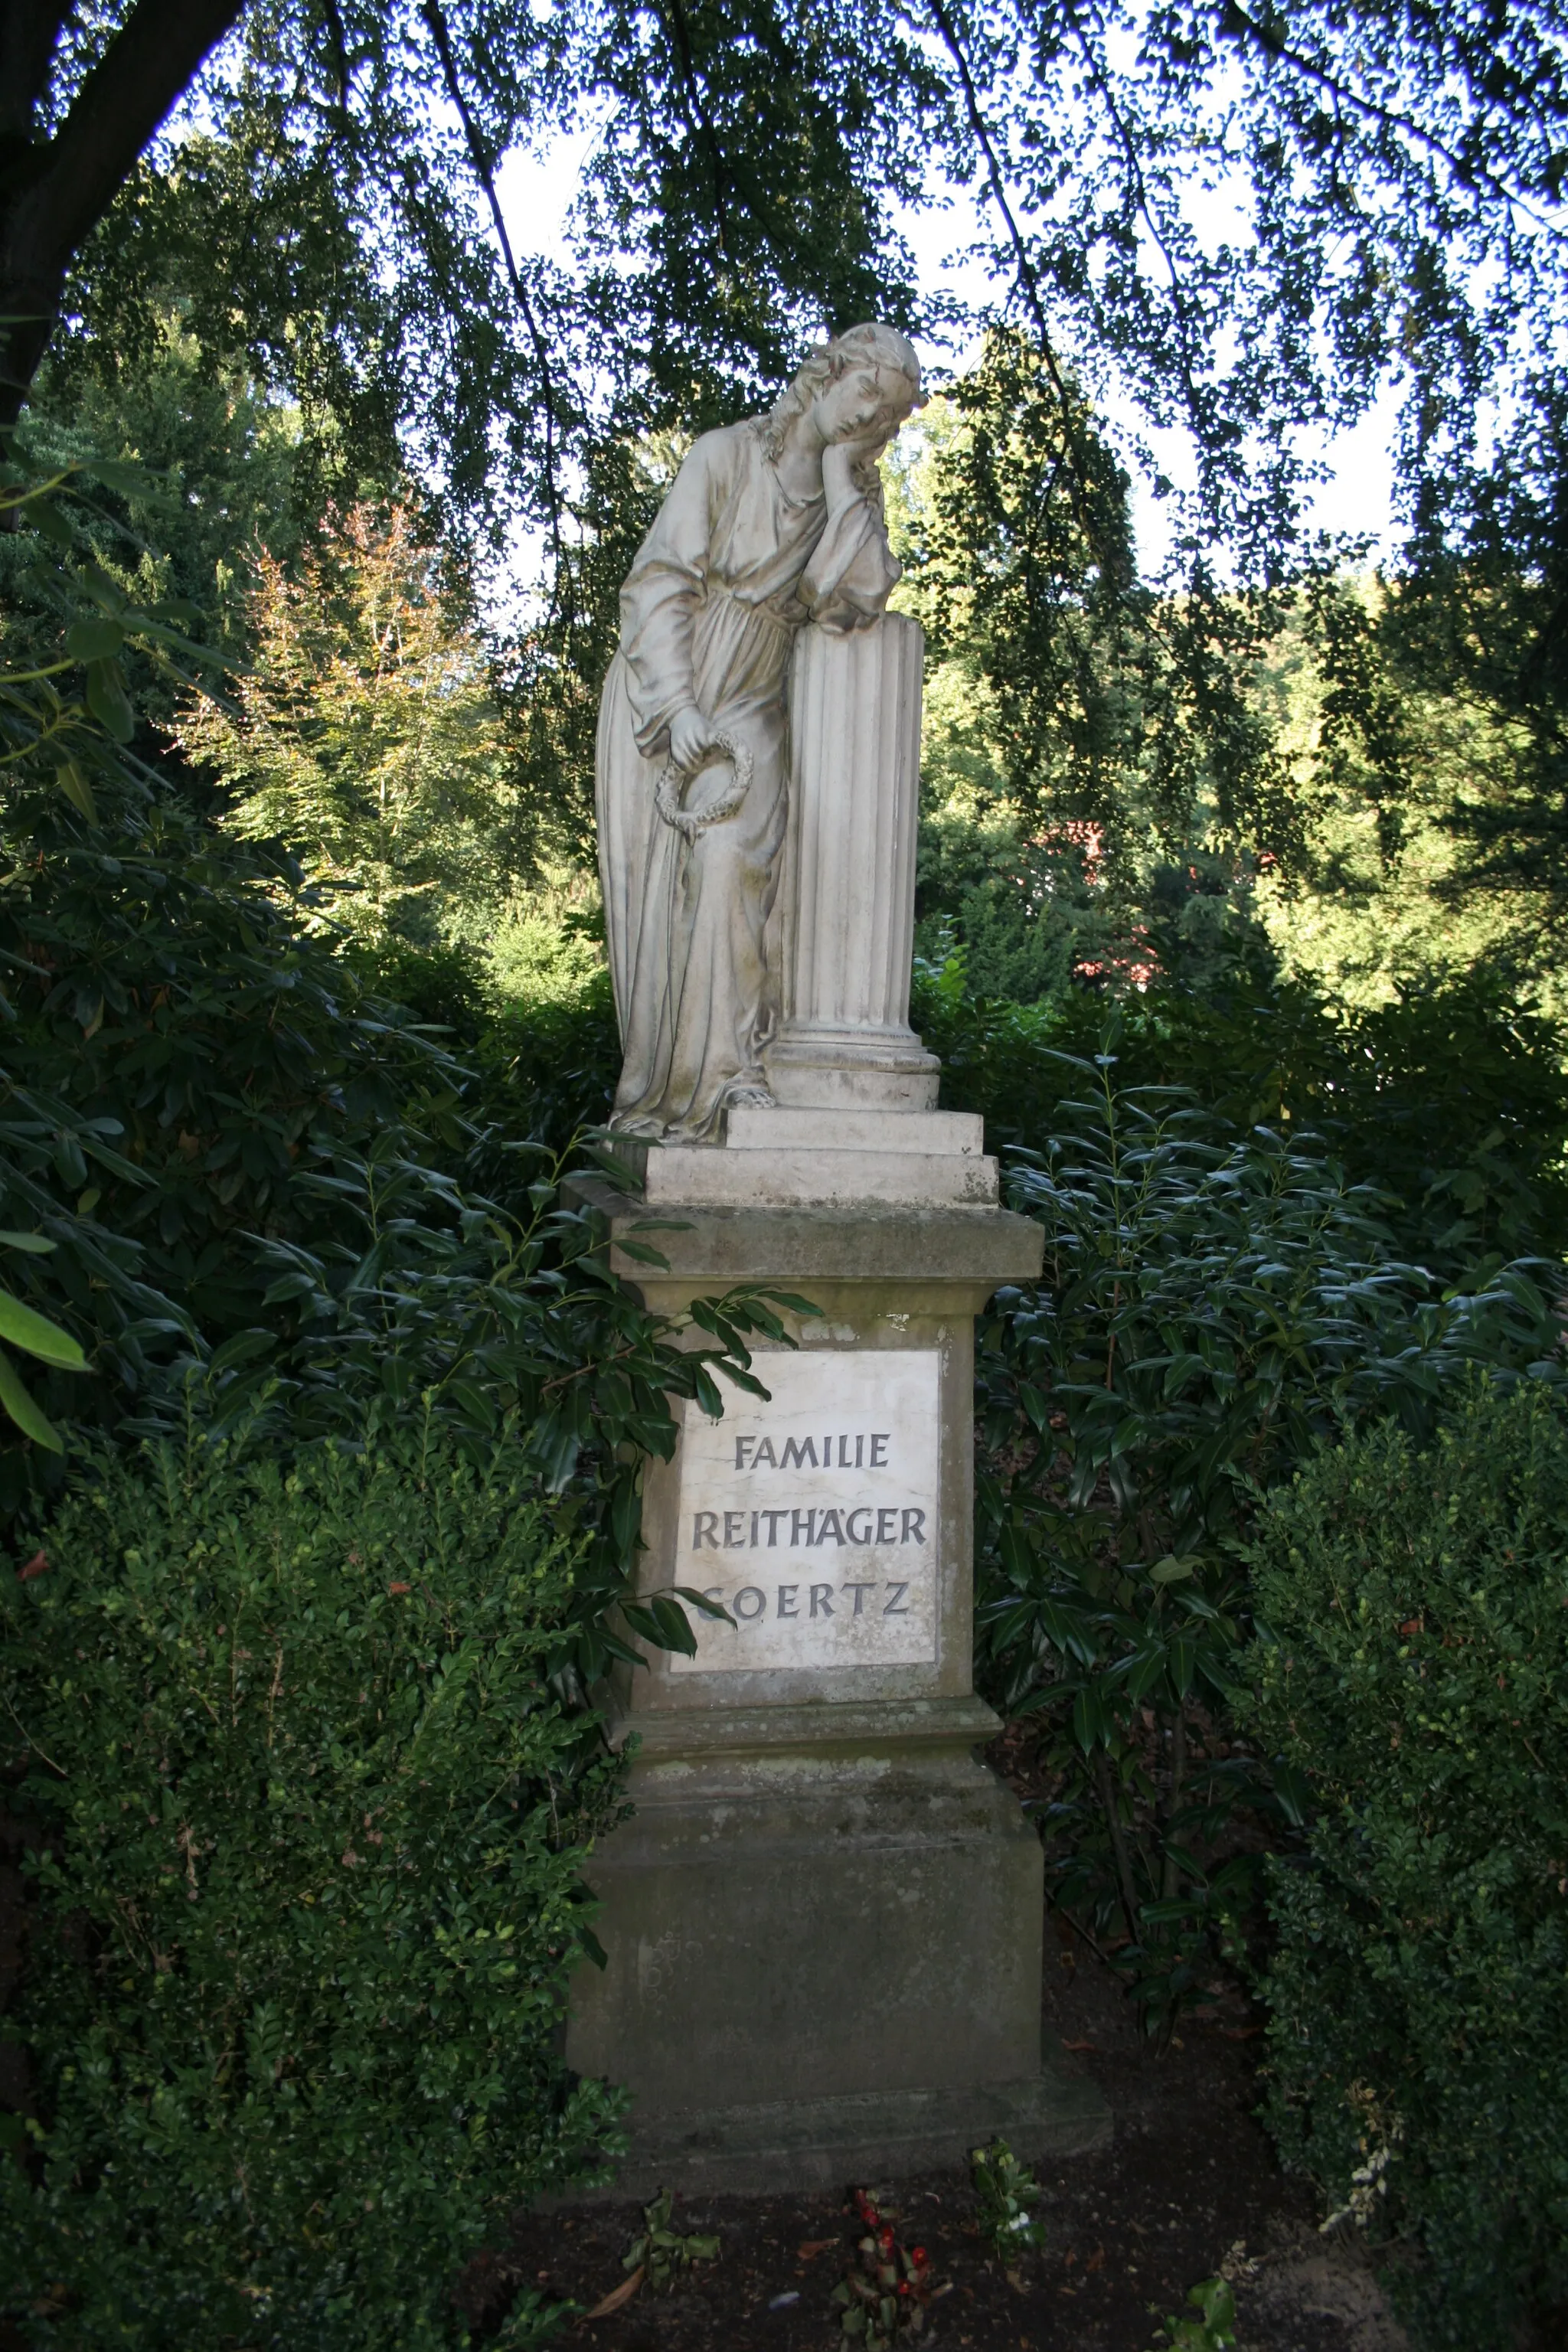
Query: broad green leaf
x: 76, y: 789
x: 29, y: 1419
x: 46, y: 518
x: 98, y: 638
x: 37, y: 1336
x: 699, y: 1600
x: 108, y: 702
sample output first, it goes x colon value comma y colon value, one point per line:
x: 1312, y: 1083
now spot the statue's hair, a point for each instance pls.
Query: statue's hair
x: 882, y: 346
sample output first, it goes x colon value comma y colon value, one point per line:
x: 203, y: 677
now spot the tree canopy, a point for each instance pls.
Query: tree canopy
x: 1257, y: 217
x: 1249, y: 222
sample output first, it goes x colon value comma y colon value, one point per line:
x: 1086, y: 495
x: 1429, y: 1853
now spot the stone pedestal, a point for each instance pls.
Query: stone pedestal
x: 823, y: 1920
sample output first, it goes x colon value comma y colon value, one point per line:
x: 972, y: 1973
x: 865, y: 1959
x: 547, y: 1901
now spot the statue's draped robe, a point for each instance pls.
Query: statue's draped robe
x: 732, y: 568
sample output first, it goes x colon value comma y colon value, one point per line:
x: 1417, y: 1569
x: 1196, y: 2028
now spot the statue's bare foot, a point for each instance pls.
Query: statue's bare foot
x: 750, y: 1098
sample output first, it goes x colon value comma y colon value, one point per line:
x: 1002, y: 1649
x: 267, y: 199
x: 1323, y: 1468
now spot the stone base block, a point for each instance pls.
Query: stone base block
x: 844, y: 1069
x: 870, y: 2135
x: 825, y: 1949
x: 779, y: 1174
x: 933, y: 1134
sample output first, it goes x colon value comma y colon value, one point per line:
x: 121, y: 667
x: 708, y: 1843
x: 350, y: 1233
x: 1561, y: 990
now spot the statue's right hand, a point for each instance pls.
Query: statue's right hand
x: 691, y: 737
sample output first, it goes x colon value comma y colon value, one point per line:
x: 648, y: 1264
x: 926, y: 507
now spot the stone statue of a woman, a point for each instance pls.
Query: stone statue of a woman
x: 769, y: 524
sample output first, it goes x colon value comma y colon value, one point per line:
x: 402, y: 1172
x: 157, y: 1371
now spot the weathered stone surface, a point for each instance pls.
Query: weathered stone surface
x: 864, y: 1258
x: 823, y: 1921
x: 807, y: 2144
x: 937, y: 1134
x: 770, y: 525
x: 698, y: 1174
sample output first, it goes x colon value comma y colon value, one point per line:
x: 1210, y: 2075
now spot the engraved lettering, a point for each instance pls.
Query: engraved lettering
x: 760, y: 1481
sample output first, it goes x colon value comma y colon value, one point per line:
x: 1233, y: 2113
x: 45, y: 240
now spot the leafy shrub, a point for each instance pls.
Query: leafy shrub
x: 548, y: 1064
x: 177, y: 1055
x: 1452, y: 1100
x: 497, y: 1328
x: 1211, y: 1307
x: 312, y: 1824
x: 1416, y: 1672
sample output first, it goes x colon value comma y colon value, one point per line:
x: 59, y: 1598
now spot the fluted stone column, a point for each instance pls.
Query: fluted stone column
x: 847, y: 895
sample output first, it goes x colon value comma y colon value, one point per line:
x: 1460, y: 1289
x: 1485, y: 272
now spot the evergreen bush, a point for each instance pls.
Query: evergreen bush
x: 308, y: 1827
x: 1211, y: 1308
x: 1415, y: 1672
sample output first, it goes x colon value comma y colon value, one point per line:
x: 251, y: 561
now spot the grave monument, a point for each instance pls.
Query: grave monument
x: 823, y: 1923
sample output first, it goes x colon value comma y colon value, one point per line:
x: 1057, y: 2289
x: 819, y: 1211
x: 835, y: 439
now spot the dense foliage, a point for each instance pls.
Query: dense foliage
x: 306, y: 1821
x: 1450, y: 1100
x: 1412, y: 1668
x: 1211, y: 1308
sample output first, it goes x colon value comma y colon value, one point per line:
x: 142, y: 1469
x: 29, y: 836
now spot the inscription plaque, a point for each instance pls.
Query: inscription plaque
x: 813, y: 1518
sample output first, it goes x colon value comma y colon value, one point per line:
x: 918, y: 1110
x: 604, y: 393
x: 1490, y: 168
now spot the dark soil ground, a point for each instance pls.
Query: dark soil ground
x: 1188, y: 2187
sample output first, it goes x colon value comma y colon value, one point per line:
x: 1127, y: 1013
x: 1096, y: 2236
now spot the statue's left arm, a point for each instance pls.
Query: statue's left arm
x: 853, y: 571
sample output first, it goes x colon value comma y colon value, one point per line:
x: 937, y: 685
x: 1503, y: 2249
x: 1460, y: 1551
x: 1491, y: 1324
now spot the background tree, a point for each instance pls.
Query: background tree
x: 362, y: 732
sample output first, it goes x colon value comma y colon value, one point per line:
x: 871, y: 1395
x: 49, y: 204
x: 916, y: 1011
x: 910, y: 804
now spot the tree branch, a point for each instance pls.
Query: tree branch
x: 29, y: 30
x: 437, y: 25
x: 1081, y: 474
x: 703, y: 123
x: 149, y: 63
x: 1242, y: 27
x: 1142, y: 198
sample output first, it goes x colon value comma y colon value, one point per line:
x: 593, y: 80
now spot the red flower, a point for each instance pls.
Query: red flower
x: 919, y: 2256
x: 885, y: 2239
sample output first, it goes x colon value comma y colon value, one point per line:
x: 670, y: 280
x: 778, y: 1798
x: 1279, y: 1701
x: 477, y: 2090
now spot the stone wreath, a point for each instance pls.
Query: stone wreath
x: 691, y: 822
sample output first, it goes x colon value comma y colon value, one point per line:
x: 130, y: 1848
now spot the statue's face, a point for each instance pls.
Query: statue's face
x: 865, y: 404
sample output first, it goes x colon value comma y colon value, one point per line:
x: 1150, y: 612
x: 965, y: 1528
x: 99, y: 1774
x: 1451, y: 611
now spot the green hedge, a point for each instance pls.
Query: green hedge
x: 307, y: 1895
x: 1417, y: 1673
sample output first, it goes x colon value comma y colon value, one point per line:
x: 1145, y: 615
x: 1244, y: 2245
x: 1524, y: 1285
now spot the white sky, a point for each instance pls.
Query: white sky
x: 537, y: 191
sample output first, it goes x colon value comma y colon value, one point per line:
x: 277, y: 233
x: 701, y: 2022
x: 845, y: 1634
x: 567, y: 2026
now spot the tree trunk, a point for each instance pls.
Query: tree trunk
x: 53, y: 193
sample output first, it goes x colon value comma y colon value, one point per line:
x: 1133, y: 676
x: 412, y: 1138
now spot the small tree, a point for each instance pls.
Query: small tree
x: 365, y: 736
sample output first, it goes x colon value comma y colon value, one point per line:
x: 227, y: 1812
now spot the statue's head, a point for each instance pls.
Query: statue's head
x: 862, y: 383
